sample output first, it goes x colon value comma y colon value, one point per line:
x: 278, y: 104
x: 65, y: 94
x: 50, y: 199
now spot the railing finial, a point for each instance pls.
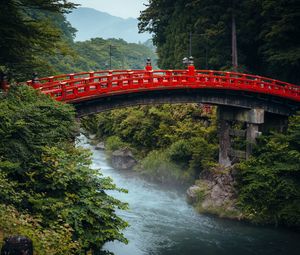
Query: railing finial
x: 148, y: 65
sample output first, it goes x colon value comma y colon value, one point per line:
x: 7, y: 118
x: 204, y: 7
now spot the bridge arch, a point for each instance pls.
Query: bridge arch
x: 93, y: 92
x: 234, y: 99
x: 239, y: 96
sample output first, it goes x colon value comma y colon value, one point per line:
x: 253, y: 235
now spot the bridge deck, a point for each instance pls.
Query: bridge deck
x: 85, y: 86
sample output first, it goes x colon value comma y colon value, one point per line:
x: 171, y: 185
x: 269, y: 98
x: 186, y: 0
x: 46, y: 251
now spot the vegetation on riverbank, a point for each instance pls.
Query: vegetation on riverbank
x: 269, y: 183
x: 172, y: 142
x: 267, y: 37
x: 47, y: 186
x: 264, y: 189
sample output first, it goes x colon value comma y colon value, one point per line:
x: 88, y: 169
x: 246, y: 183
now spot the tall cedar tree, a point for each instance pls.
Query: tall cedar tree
x: 268, y: 34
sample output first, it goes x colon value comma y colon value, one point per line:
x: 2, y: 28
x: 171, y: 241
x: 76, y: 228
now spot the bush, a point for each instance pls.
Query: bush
x: 269, y: 183
x: 158, y: 166
x: 54, y: 240
x: 113, y: 143
x: 44, y: 175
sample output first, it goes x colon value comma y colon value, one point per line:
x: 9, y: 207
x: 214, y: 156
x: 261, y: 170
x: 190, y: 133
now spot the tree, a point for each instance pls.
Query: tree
x: 280, y: 35
x: 267, y: 34
x: 27, y: 33
x: 269, y: 183
x: 43, y: 174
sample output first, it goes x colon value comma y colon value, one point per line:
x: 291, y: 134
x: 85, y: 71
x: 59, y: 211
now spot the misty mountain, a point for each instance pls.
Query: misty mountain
x: 92, y: 23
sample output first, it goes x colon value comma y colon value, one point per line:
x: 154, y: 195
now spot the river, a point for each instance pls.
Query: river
x: 162, y: 223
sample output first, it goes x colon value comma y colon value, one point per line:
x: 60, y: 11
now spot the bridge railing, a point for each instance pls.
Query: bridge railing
x: 82, y: 86
x: 81, y: 75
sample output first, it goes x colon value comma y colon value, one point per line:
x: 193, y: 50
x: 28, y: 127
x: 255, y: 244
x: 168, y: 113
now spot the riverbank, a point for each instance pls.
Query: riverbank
x: 161, y: 222
x: 179, y: 143
x: 215, y: 193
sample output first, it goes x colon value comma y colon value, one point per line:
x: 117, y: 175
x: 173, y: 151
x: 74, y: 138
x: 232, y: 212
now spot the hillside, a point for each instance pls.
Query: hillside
x: 94, y: 55
x: 92, y: 23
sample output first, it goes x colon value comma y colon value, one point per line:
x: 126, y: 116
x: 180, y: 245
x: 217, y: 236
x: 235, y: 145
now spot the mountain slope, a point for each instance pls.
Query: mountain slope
x: 91, y: 23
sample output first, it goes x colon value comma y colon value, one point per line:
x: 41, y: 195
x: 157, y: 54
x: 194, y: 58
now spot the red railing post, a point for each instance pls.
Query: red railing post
x: 148, y: 65
x: 130, y: 78
x: 109, y: 81
x: 149, y: 72
x: 191, y: 70
x: 63, y: 91
x: 87, y: 84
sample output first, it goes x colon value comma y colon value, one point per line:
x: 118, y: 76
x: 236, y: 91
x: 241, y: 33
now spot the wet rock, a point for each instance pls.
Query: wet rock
x: 92, y: 136
x: 123, y: 159
x: 218, y: 193
x: 100, y: 146
x: 191, y: 193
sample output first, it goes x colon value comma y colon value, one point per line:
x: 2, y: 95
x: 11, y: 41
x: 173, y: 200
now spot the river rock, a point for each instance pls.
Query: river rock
x: 191, y: 193
x: 123, y: 159
x: 218, y: 191
x: 100, y: 146
x: 92, y: 136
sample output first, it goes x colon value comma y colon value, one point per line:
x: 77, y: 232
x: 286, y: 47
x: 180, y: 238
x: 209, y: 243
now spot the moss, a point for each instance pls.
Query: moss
x: 222, y: 212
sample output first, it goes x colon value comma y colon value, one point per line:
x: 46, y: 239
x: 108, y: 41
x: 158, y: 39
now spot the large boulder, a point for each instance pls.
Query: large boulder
x: 215, y: 193
x: 123, y: 159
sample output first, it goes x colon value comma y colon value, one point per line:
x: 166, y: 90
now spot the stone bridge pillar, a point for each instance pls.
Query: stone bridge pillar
x: 224, y: 142
x: 253, y: 118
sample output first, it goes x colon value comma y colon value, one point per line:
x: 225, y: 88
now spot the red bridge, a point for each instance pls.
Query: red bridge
x: 85, y: 88
x: 257, y: 101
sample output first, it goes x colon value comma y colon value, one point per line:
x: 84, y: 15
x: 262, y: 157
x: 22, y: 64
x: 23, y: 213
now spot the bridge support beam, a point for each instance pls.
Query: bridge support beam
x: 251, y: 135
x: 224, y: 142
x: 253, y: 118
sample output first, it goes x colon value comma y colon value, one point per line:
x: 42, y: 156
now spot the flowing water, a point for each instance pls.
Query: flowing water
x: 162, y: 223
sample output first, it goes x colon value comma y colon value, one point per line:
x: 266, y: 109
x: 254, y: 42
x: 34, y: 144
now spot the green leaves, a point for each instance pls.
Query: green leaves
x: 55, y: 240
x: 44, y: 174
x: 29, y: 33
x: 267, y: 34
x: 175, y: 142
x: 269, y: 182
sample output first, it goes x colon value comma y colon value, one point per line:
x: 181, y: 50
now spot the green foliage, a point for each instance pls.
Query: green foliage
x: 269, y: 182
x: 36, y: 37
x: 54, y: 240
x: 113, y: 143
x: 267, y: 34
x: 94, y: 55
x: 42, y: 173
x: 28, y: 33
x: 29, y: 121
x: 183, y: 135
x: 69, y: 187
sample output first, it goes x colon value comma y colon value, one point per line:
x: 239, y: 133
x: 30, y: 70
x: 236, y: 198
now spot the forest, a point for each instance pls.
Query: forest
x: 48, y: 190
x: 267, y: 34
x: 42, y: 42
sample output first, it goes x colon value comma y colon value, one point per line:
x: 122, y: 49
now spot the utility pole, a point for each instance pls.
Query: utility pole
x: 190, y: 45
x: 233, y: 41
x: 111, y: 47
